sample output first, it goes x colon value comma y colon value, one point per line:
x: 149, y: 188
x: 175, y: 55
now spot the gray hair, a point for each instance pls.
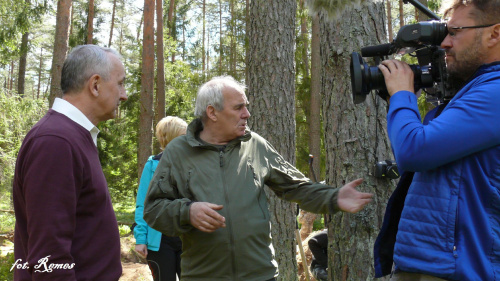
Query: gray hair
x: 83, y: 62
x: 210, y: 93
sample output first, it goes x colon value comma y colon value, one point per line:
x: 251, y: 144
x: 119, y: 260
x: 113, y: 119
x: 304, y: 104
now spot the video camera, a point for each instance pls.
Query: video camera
x: 423, y: 39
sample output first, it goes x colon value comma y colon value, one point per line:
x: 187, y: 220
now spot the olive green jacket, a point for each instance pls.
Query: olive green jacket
x: 234, y: 176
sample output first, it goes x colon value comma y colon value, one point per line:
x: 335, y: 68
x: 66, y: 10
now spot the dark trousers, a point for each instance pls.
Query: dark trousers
x: 165, y: 263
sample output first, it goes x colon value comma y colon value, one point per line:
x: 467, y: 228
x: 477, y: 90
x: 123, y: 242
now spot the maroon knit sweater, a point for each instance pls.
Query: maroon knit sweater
x: 66, y: 228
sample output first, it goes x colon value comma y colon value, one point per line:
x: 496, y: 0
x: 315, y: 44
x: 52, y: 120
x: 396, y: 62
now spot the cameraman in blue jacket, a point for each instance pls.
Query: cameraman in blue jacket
x: 449, y: 227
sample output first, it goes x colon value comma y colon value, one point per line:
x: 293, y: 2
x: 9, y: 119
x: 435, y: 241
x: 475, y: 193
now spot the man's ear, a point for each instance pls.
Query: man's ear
x: 211, y: 113
x: 494, y: 36
x: 94, y: 84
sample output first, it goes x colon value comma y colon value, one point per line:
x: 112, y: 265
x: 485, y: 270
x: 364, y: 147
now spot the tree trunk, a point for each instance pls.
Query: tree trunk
x: 247, y: 37
x: 304, y: 37
x: 232, y: 58
x: 203, y: 45
x: 389, y: 20
x: 271, y: 92
x: 160, y: 66
x: 22, y: 65
x: 112, y: 23
x: 171, y: 24
x: 355, y: 139
x: 90, y: 22
x: 315, y: 104
x: 220, y: 37
x: 401, y: 14
x: 147, y: 87
x: 60, y: 48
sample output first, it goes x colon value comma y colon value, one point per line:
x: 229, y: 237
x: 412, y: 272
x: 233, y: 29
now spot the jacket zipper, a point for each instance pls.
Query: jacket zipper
x: 228, y: 222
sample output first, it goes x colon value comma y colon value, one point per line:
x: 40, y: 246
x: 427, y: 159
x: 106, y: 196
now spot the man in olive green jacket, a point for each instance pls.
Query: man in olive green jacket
x: 209, y: 189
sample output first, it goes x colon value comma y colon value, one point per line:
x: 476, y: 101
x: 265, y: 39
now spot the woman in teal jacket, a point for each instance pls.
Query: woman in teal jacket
x: 162, y: 252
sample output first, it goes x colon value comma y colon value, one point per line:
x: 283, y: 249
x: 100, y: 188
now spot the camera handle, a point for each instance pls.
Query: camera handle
x: 423, y: 9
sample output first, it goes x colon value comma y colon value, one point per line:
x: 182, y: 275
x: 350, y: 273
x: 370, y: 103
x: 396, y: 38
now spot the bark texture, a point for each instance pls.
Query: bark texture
x: 60, y: 48
x: 355, y: 139
x: 271, y: 93
x: 147, y: 87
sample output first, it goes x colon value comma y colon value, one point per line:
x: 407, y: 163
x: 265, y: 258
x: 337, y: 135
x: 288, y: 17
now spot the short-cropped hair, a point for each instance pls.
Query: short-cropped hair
x: 210, y: 93
x: 486, y: 11
x: 169, y: 128
x: 83, y: 62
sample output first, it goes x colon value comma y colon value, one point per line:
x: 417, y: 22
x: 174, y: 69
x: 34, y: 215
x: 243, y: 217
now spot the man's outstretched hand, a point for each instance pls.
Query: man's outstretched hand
x: 350, y: 200
x: 203, y: 216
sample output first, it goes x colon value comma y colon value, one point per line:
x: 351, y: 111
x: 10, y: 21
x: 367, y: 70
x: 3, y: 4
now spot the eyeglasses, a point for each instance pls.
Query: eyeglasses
x: 452, y: 30
x: 472, y: 26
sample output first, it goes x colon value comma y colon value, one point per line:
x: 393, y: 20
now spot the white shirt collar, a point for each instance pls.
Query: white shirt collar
x: 73, y: 113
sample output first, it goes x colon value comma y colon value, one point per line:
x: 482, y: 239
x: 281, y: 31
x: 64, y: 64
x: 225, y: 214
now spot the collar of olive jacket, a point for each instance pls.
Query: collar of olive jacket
x: 196, y: 126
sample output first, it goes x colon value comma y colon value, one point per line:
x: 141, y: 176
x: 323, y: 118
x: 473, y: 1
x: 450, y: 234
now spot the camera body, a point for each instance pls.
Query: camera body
x: 423, y: 39
x: 386, y: 169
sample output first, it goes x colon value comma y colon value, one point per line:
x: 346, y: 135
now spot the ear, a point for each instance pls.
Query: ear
x: 494, y: 36
x: 93, y: 84
x: 211, y: 113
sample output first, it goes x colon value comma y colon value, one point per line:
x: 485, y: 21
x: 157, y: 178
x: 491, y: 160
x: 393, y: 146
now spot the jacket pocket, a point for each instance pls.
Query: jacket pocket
x: 261, y: 198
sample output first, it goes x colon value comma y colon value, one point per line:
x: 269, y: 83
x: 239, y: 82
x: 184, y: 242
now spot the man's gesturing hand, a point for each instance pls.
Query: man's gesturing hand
x: 350, y: 200
x: 203, y: 216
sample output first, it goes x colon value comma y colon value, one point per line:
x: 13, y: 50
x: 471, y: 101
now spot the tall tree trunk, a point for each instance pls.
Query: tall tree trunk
x: 171, y: 24
x: 112, y: 24
x: 203, y: 44
x: 90, y: 22
x: 355, y: 139
x: 22, y: 65
x: 232, y: 60
x: 208, y: 51
x: 72, y: 14
x: 315, y: 104
x: 122, y: 22
x: 271, y: 93
x: 401, y: 14
x: 203, y: 40
x: 60, y: 48
x: 147, y: 87
x: 247, y: 32
x: 220, y: 37
x: 304, y: 37
x: 389, y: 20
x: 160, y: 68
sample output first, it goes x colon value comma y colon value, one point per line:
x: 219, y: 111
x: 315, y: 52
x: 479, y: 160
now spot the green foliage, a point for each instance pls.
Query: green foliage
x: 16, y: 18
x: 6, y: 263
x: 79, y: 24
x: 17, y: 116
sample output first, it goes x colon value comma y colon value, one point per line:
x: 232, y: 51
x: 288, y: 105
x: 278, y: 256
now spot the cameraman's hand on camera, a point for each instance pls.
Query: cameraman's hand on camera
x: 350, y: 200
x: 398, y: 76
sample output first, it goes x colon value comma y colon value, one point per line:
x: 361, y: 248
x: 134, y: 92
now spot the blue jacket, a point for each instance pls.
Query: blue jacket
x: 450, y: 223
x: 142, y: 232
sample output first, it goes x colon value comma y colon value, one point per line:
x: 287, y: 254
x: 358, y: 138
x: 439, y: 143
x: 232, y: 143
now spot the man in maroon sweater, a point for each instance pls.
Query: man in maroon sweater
x: 65, y: 224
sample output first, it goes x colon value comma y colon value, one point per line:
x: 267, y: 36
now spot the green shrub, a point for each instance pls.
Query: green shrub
x: 6, y: 263
x: 17, y: 116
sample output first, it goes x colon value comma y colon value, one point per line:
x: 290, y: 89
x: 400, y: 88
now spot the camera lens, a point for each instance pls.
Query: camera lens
x: 365, y: 78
